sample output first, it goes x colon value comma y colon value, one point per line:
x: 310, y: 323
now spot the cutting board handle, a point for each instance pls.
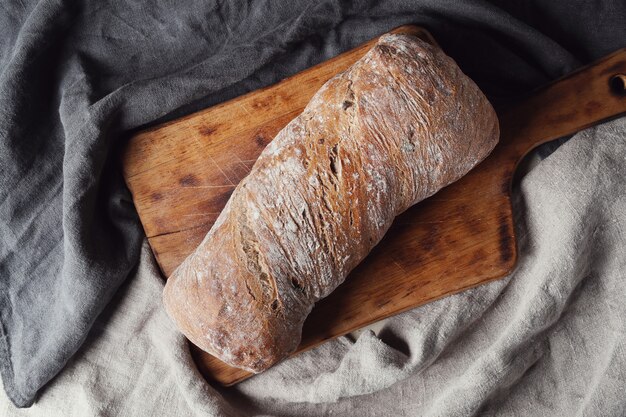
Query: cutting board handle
x: 582, y: 99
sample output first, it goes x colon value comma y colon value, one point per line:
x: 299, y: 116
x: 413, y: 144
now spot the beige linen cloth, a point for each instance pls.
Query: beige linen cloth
x: 548, y: 340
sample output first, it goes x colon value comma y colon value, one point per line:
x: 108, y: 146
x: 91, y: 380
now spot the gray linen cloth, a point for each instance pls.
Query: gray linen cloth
x: 550, y: 339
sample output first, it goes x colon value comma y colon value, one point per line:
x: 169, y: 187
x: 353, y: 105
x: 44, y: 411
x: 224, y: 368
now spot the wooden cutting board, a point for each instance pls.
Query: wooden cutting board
x: 182, y: 173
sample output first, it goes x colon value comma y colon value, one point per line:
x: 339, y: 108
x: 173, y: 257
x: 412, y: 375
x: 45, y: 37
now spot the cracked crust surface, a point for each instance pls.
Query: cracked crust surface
x: 393, y: 129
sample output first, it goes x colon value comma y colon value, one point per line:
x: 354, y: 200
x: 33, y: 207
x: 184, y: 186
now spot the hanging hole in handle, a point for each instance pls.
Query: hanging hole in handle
x: 618, y: 84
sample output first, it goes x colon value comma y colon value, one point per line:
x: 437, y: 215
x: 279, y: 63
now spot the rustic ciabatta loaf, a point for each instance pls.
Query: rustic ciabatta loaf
x: 393, y: 129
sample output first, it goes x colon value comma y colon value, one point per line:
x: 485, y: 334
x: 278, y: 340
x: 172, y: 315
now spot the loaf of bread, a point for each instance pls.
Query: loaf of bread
x: 393, y: 129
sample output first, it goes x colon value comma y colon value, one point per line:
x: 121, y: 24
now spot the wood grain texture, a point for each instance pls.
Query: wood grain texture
x: 182, y: 173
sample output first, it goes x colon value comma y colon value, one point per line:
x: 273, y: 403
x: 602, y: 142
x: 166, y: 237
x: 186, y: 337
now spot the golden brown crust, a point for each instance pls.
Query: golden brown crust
x: 393, y: 129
